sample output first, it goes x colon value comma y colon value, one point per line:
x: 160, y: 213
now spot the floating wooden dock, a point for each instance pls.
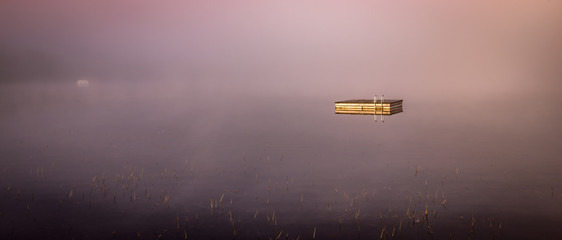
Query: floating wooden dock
x: 369, y: 106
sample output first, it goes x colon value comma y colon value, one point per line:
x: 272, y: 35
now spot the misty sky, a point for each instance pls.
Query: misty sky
x: 469, y: 48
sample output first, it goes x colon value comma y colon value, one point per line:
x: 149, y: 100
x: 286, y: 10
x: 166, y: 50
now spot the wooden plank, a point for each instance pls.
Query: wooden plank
x: 358, y: 112
x: 370, y: 101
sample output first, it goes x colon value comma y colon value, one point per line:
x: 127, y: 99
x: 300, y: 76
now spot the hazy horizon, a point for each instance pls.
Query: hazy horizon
x: 476, y: 50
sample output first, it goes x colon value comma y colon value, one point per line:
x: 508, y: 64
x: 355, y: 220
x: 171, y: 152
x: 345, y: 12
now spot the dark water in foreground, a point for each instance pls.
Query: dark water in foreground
x: 108, y: 162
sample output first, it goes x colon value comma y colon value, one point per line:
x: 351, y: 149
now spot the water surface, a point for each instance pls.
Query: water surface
x: 125, y: 161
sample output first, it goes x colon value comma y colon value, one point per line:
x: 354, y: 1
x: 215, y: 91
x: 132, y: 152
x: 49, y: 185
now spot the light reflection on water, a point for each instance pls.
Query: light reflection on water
x: 96, y: 163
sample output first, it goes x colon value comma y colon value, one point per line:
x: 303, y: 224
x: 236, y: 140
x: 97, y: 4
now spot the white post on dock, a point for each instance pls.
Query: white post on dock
x: 375, y: 107
x: 382, y: 108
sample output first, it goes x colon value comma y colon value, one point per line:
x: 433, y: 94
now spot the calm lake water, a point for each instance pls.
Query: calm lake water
x: 114, y: 161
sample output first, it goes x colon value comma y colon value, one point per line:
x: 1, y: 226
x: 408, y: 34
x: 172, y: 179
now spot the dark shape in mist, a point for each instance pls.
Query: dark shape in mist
x: 29, y: 66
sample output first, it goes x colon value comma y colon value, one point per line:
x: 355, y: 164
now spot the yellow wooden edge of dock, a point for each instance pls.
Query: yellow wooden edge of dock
x: 369, y: 107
